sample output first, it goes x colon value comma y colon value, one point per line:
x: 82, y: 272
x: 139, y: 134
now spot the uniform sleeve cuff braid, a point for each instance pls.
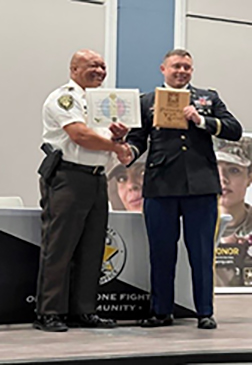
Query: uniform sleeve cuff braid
x: 135, y: 151
x: 218, y: 126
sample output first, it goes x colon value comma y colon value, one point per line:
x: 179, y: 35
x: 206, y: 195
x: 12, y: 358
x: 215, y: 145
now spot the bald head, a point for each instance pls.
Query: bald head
x: 80, y: 56
x: 87, y: 68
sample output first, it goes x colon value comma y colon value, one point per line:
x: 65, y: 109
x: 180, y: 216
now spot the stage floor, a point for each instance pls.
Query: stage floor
x: 21, y: 343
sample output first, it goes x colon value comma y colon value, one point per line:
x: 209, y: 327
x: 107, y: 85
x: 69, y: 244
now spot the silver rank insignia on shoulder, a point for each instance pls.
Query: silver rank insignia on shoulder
x: 211, y: 89
x: 66, y: 102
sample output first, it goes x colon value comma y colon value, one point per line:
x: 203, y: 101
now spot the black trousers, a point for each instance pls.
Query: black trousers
x: 74, y: 223
x: 199, y: 216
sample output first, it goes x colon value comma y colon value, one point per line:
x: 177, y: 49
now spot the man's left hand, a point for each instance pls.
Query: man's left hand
x: 191, y: 113
x: 118, y: 130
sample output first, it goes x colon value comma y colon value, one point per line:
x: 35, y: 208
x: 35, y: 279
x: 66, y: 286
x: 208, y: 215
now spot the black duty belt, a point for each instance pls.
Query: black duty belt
x: 93, y: 170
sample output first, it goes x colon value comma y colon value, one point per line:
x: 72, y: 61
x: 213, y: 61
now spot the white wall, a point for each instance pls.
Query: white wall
x: 222, y: 51
x: 228, y: 9
x: 37, y: 40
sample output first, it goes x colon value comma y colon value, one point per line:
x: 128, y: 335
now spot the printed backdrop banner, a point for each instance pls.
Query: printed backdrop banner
x: 234, y: 253
x: 124, y: 290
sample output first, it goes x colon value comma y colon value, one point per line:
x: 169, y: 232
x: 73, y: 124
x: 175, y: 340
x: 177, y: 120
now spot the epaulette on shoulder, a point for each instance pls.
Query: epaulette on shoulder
x: 212, y: 89
x: 65, y: 88
x: 142, y: 94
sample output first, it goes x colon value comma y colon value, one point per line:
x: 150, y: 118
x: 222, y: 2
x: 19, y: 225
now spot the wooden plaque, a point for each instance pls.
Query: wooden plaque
x: 168, y: 108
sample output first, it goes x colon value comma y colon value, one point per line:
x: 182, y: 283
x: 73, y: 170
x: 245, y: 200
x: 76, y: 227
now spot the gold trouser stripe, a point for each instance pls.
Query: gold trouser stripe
x: 217, y: 228
x: 218, y: 126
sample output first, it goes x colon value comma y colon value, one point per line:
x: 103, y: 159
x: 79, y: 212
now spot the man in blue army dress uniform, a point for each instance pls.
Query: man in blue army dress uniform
x: 181, y: 180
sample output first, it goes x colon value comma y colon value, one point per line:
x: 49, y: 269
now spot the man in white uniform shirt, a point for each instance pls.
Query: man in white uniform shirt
x: 74, y: 202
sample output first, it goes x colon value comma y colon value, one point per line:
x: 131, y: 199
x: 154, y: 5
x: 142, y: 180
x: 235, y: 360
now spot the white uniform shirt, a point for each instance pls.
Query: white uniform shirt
x: 55, y: 117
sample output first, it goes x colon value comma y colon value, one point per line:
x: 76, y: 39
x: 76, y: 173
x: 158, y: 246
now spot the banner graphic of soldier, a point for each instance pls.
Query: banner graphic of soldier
x: 125, y: 185
x: 234, y: 253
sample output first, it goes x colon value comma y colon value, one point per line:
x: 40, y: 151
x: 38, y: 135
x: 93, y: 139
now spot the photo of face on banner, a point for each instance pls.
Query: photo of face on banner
x: 125, y: 184
x: 234, y: 254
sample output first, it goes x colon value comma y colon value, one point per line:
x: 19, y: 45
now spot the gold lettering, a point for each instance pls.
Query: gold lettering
x: 234, y: 251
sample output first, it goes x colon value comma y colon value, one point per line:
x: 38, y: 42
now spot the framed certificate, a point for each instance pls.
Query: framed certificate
x: 105, y: 106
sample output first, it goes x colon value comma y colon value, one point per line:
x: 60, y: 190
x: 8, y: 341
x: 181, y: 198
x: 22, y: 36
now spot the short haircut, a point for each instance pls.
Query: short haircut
x: 177, y: 52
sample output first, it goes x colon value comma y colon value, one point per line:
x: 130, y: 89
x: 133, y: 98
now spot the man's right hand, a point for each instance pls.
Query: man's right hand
x: 124, y: 153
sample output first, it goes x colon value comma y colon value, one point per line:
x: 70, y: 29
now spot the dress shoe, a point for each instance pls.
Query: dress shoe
x: 207, y: 323
x: 157, y: 321
x: 50, y: 323
x: 90, y: 321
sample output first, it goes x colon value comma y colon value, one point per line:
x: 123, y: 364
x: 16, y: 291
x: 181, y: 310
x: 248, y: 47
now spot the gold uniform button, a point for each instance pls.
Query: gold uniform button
x: 184, y: 148
x: 183, y: 137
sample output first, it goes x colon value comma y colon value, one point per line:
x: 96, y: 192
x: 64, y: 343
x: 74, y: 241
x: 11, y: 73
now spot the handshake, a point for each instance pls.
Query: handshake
x: 121, y: 148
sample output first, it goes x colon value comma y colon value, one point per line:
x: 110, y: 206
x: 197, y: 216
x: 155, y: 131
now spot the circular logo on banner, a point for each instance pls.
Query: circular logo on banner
x: 114, y: 257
